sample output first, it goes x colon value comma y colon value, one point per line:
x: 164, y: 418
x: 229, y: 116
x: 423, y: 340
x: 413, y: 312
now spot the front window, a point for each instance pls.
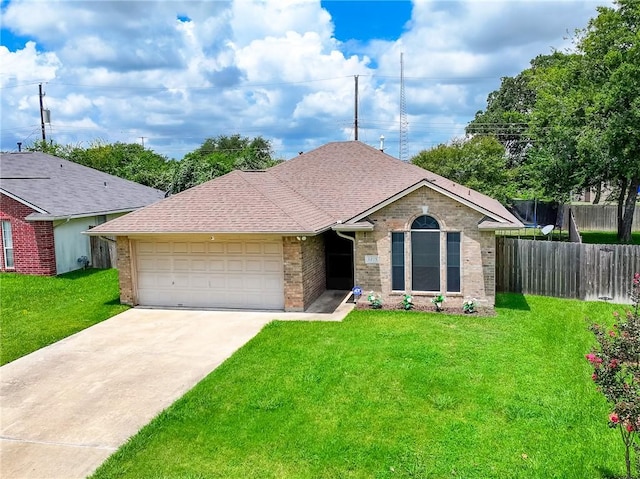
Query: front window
x: 435, y: 258
x: 425, y: 254
x: 7, y: 244
x: 397, y: 261
x: 453, y: 262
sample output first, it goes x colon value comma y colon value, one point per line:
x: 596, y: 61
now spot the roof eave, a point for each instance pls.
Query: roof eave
x: 500, y: 227
x: 47, y: 217
x: 24, y: 202
x: 353, y: 227
x: 101, y: 232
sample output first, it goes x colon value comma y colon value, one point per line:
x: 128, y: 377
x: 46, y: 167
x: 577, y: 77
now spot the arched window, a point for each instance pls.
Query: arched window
x: 425, y: 254
x: 425, y: 222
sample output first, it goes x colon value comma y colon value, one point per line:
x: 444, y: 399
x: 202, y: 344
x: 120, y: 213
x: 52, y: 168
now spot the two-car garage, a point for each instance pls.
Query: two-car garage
x: 232, y: 273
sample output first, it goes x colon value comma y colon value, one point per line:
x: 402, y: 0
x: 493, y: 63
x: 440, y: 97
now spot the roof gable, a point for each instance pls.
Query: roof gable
x: 60, y: 188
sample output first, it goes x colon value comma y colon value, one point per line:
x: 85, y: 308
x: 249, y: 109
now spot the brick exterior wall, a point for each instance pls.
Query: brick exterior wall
x: 125, y: 276
x: 477, y: 249
x: 304, y: 271
x: 33, y: 241
x: 313, y: 269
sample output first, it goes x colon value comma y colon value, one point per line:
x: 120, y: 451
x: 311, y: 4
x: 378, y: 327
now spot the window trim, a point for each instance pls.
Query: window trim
x: 5, y: 246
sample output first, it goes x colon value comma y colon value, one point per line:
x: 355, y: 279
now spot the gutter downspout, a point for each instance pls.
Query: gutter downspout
x: 353, y: 240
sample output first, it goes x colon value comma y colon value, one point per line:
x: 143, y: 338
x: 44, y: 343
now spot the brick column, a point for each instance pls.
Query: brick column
x: 293, y: 285
x: 124, y: 271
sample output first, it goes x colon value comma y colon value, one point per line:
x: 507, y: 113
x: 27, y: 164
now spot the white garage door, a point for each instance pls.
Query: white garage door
x: 213, y: 274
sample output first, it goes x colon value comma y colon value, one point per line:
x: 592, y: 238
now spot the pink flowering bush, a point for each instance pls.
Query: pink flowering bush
x: 616, y: 365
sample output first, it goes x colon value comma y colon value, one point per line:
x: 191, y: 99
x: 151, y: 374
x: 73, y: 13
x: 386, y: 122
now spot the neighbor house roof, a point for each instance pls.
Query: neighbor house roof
x: 336, y: 185
x: 58, y: 189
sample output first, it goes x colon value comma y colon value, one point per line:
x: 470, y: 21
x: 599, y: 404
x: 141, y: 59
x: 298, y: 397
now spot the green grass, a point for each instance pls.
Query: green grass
x: 591, y: 237
x: 40, y: 310
x: 391, y: 394
x: 607, y: 237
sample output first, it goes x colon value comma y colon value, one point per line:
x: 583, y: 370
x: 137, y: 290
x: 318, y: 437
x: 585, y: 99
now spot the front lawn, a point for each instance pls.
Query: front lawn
x: 40, y: 310
x: 392, y: 394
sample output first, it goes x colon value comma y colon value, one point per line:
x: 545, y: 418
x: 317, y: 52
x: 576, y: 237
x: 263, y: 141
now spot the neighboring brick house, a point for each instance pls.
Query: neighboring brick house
x: 341, y: 215
x: 47, y: 202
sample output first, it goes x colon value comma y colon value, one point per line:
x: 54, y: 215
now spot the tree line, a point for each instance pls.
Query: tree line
x: 216, y: 156
x: 569, y: 122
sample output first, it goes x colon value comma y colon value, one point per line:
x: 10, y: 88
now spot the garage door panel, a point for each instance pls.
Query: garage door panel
x: 162, y: 264
x: 253, y: 248
x: 272, y: 248
x: 211, y: 274
x: 272, y: 266
x: 235, y: 265
x: 146, y: 247
x: 198, y: 248
x: 163, y: 247
x: 217, y: 282
x: 235, y: 283
x: 234, y: 248
x: 216, y: 265
x: 198, y: 266
x: 216, y: 248
x: 253, y: 265
x: 182, y: 264
x: 180, y: 248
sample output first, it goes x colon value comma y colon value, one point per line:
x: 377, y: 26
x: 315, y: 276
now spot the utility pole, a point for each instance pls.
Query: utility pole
x: 142, y: 138
x: 44, y: 136
x: 402, y: 154
x: 355, y: 125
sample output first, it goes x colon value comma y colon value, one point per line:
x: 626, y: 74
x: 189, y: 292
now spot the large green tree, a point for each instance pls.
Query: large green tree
x: 509, y: 109
x: 126, y: 160
x: 220, y: 155
x: 479, y: 163
x: 586, y: 118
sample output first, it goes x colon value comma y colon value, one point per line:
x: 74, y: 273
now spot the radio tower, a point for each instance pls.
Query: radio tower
x: 403, y: 114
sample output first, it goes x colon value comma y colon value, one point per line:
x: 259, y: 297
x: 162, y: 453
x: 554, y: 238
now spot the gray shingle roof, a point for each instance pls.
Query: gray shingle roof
x: 61, y: 188
x: 336, y: 183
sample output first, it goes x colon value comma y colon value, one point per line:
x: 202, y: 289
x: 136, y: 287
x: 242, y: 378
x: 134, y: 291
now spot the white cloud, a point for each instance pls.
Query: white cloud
x: 179, y: 72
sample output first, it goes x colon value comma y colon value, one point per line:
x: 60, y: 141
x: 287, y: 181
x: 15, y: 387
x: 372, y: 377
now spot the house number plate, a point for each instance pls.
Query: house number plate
x: 371, y: 259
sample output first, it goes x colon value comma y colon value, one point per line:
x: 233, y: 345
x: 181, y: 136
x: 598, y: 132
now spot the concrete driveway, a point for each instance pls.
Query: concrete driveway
x: 69, y: 406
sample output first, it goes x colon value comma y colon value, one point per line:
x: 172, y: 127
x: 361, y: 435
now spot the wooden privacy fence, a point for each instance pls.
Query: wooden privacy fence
x: 103, y: 252
x: 566, y: 270
x: 598, y: 217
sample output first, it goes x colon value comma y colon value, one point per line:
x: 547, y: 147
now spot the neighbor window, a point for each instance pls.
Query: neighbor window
x: 7, y: 244
x: 427, y: 257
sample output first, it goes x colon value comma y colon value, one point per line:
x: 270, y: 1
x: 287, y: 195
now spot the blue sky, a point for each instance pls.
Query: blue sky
x: 176, y: 73
x: 364, y: 21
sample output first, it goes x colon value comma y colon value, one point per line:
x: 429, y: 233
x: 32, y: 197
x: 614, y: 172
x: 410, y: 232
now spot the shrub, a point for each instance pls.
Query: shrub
x: 407, y: 302
x: 375, y: 300
x: 469, y: 306
x: 438, y: 300
x: 616, y: 363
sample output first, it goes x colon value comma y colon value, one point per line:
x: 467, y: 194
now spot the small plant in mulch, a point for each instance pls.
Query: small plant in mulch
x: 616, y: 364
x: 407, y: 302
x: 375, y: 300
x: 469, y: 306
x: 437, y: 301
